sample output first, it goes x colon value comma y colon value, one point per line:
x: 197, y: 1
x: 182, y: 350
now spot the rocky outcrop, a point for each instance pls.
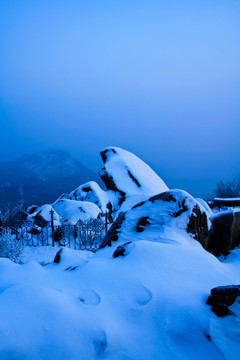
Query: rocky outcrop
x: 170, y: 211
x: 222, y: 297
x: 198, y: 226
x: 126, y: 175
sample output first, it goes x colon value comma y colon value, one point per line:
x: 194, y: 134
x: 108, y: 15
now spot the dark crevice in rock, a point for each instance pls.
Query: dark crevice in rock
x: 142, y: 223
x: 134, y: 179
x: 138, y: 205
x: 165, y: 196
x: 112, y: 234
x: 110, y: 211
x: 182, y: 208
x: 86, y: 189
x: 198, y: 226
x: 110, y: 185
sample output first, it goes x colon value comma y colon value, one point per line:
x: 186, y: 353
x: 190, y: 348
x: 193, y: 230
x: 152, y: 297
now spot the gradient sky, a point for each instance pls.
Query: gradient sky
x: 158, y: 78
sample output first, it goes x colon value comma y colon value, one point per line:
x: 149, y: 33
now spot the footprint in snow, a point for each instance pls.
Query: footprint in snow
x: 89, y: 297
x: 100, y: 342
x: 142, y: 295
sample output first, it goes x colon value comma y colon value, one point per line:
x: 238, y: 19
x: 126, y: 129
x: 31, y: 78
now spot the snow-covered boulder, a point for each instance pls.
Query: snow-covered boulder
x: 205, y: 205
x: 91, y: 192
x: 127, y: 175
x: 222, y: 297
x: 42, y: 216
x: 169, y: 214
x: 71, y: 211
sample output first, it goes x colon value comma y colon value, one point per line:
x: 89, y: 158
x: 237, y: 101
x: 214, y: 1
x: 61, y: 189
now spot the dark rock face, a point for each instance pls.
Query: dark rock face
x: 198, y: 226
x: 103, y: 154
x: 142, y: 223
x: 112, y: 234
x: 121, y: 250
x: 40, y: 221
x: 235, y: 236
x: 221, y: 297
x: 110, y: 185
x: 225, y: 234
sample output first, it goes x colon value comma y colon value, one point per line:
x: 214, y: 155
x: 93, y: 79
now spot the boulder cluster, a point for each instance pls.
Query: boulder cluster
x: 138, y: 201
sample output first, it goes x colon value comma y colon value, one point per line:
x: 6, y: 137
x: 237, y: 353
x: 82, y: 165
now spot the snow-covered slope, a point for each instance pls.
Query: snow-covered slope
x: 148, y: 304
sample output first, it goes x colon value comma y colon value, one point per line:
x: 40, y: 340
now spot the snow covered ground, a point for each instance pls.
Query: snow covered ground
x: 149, y: 304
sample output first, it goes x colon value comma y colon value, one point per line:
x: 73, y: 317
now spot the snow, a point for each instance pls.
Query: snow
x: 148, y: 304
x: 92, y: 192
x: 45, y: 212
x: 227, y: 199
x: 45, y: 254
x: 205, y: 206
x: 71, y: 211
x: 130, y: 174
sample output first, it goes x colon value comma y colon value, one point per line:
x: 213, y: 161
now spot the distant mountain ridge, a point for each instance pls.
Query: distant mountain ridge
x: 42, y: 177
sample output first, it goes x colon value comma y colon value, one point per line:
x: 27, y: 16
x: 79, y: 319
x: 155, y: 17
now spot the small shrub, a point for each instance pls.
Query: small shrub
x: 10, y: 247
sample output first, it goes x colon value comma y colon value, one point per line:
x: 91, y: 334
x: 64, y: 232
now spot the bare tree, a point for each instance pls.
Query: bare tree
x: 229, y: 189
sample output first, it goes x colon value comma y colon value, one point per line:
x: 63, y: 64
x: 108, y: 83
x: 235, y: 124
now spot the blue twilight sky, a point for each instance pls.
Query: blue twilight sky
x: 158, y: 78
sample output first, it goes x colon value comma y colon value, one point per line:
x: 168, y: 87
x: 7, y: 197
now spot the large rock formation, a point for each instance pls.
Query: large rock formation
x: 131, y: 184
x: 126, y: 175
x: 128, y: 181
